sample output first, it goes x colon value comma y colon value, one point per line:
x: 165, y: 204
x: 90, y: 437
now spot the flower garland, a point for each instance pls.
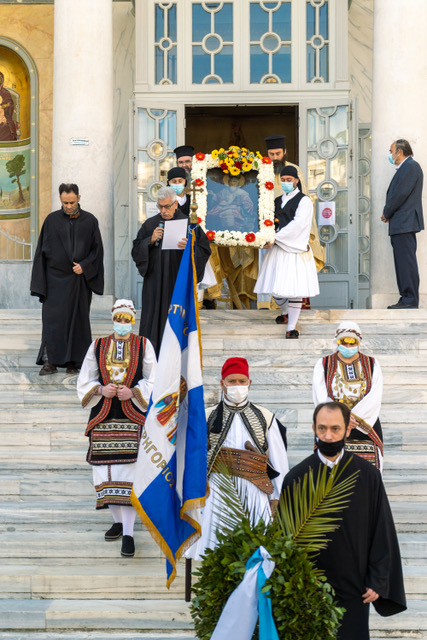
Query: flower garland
x: 236, y: 161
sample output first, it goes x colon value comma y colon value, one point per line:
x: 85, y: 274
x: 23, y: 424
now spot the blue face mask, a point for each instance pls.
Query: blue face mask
x: 122, y: 329
x: 178, y: 188
x: 287, y: 187
x: 390, y: 158
x: 347, y: 352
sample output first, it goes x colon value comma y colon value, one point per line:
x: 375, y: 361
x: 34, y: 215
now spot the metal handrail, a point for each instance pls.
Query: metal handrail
x: 21, y: 251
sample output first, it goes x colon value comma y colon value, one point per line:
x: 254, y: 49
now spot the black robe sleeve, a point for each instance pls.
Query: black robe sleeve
x: 93, y: 263
x: 384, y: 573
x: 38, y: 285
x: 142, y: 245
x: 203, y: 251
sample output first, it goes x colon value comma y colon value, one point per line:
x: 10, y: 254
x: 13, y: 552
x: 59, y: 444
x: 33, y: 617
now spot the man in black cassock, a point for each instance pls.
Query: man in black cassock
x: 160, y: 268
x: 67, y: 268
x: 362, y: 560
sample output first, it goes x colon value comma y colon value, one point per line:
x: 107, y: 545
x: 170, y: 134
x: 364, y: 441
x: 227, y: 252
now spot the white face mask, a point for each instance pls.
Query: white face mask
x: 236, y: 393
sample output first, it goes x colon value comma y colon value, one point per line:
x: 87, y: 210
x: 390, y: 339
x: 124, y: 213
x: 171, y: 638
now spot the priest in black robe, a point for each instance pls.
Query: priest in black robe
x: 362, y: 559
x: 159, y: 268
x: 68, y: 267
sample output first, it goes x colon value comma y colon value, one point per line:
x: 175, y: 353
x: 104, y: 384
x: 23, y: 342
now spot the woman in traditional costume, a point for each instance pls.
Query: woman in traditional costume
x: 115, y: 382
x: 288, y: 271
x: 355, y: 379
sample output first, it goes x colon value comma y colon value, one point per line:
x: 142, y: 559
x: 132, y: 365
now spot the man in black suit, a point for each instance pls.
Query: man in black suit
x: 403, y: 211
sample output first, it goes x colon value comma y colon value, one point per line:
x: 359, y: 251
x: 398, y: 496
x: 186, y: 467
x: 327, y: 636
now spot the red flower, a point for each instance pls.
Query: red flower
x: 269, y: 186
x: 199, y: 221
x: 230, y: 153
x: 266, y: 160
x: 250, y: 237
x: 199, y: 182
x: 238, y: 164
x: 211, y: 235
x: 200, y: 156
x: 223, y: 166
x: 268, y: 223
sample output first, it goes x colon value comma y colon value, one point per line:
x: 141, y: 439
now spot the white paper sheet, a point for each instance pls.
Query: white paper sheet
x: 175, y: 231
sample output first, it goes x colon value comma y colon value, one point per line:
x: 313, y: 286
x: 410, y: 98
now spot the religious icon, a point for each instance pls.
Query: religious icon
x: 232, y: 201
x: 8, y: 126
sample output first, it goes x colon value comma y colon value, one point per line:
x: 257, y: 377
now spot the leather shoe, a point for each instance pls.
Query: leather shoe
x: 114, y: 532
x: 47, y: 369
x: 71, y: 369
x: 128, y: 547
x: 292, y: 335
x: 282, y: 319
x: 402, y: 305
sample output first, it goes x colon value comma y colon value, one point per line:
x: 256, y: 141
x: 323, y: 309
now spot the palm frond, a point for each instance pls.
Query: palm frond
x: 310, y: 510
x: 233, y: 504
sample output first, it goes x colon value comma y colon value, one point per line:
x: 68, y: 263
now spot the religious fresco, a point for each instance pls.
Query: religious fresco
x: 15, y: 155
x: 15, y: 96
x: 14, y: 179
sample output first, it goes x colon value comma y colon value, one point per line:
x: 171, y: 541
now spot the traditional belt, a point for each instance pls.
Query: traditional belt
x: 249, y: 465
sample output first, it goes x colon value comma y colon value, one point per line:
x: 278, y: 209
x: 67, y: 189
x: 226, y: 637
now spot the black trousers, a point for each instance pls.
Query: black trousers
x: 406, y: 266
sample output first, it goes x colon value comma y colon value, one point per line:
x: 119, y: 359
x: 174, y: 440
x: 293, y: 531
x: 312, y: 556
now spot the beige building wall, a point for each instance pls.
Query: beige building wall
x: 360, y: 42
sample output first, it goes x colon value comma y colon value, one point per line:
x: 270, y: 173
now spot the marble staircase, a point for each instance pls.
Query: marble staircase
x: 60, y: 580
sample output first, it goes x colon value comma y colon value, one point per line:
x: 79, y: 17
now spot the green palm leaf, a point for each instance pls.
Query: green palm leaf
x: 234, y: 503
x: 309, y: 511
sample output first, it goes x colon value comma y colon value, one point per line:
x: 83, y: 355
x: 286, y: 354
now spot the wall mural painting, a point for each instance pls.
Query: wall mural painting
x: 15, y: 153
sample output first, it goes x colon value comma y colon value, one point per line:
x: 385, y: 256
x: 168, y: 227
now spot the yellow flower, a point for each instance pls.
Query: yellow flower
x: 234, y: 171
x: 233, y: 146
x: 214, y: 154
x: 259, y: 155
x: 221, y: 150
x: 235, y: 155
x: 225, y: 171
x: 247, y: 166
x: 229, y: 162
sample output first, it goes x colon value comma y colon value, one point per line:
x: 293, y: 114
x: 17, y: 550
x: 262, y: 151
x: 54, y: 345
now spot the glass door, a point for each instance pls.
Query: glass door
x: 326, y: 132
x: 155, y: 138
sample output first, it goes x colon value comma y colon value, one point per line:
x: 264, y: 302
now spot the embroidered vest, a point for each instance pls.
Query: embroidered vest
x: 257, y: 421
x: 330, y: 364
x: 134, y: 373
x: 283, y: 216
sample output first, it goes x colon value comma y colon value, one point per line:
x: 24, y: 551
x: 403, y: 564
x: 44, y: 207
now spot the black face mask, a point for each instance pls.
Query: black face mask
x: 330, y: 449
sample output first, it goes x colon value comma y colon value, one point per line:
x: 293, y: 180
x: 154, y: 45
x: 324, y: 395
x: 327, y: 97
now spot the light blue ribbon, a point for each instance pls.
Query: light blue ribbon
x: 267, y: 628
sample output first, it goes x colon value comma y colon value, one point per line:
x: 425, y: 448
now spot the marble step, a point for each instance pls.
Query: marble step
x: 144, y: 579
x: 118, y: 578
x: 74, y: 458
x: 41, y: 541
x: 166, y: 617
x: 125, y: 615
x: 100, y: 635
x: 400, y: 484
x: 80, y: 512
x: 49, y: 439
x: 278, y: 389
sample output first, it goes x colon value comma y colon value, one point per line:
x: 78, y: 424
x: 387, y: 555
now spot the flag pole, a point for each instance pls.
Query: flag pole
x: 188, y: 580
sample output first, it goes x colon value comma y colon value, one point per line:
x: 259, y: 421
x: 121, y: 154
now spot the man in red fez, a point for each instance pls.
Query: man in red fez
x: 252, y: 443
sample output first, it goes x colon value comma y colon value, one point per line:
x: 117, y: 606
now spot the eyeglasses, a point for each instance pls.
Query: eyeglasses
x: 165, y: 206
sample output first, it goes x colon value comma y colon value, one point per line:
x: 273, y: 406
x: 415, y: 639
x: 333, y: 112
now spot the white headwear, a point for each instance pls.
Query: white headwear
x: 123, y: 306
x: 348, y: 329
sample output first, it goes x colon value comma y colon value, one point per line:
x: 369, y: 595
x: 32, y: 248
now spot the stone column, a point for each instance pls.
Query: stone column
x: 83, y: 111
x: 398, y: 111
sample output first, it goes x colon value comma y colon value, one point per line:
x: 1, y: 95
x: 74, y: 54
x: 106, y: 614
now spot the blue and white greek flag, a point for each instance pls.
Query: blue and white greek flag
x: 171, y: 475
